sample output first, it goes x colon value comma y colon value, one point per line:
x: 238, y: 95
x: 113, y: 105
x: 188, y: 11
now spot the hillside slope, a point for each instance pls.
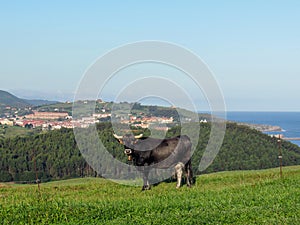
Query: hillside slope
x: 244, y: 148
x: 240, y: 197
x: 7, y: 99
x: 57, y: 155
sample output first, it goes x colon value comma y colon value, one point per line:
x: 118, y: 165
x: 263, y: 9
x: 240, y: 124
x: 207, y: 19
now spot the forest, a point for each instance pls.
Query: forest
x: 54, y: 155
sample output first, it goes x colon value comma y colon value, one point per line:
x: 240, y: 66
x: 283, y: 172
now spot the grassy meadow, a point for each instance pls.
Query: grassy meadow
x: 241, y: 197
x: 13, y: 131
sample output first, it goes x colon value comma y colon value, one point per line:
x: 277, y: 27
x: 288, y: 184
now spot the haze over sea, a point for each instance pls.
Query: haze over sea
x: 288, y: 121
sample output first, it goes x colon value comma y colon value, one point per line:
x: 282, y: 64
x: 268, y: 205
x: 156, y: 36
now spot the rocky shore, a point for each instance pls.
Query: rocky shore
x: 263, y: 127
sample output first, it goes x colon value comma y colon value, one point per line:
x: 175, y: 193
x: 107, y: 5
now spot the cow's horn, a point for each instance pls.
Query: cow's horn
x: 118, y: 137
x: 138, y: 136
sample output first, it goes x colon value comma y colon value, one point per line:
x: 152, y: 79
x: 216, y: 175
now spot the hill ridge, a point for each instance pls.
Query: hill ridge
x: 8, y: 99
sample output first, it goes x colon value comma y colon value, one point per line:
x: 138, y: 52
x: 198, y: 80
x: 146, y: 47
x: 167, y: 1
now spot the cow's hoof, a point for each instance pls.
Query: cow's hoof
x: 145, y: 188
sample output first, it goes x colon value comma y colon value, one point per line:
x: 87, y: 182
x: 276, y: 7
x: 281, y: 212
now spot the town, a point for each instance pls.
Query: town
x: 57, y: 118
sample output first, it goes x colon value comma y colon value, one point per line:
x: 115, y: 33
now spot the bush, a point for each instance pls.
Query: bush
x: 5, y: 176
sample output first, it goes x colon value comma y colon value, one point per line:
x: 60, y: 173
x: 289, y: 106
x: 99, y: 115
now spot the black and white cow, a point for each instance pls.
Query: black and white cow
x: 147, y: 153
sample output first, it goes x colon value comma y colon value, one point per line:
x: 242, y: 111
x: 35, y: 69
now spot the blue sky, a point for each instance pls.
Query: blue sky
x: 253, y: 47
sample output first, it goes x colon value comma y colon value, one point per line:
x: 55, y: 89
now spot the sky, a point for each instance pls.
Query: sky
x: 251, y: 47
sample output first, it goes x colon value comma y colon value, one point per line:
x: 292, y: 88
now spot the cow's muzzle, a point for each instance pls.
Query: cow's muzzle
x: 128, y: 153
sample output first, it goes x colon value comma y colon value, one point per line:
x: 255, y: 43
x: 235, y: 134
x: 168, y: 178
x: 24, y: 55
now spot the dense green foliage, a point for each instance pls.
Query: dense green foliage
x: 54, y: 154
x: 247, y: 149
x: 243, y: 197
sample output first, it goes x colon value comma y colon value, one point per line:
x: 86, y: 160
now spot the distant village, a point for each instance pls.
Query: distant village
x: 56, y: 119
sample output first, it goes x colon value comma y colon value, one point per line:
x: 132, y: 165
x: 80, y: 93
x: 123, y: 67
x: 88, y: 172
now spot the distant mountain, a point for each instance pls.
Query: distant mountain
x: 7, y: 99
x: 59, y: 96
x: 40, y: 102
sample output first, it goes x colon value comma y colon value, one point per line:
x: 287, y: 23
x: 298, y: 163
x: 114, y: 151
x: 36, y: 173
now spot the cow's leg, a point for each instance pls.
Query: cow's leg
x: 146, y: 185
x: 179, y: 170
x: 189, y: 173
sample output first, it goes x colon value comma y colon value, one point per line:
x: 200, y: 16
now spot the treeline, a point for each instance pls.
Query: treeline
x: 52, y: 155
x: 246, y: 149
x: 55, y: 155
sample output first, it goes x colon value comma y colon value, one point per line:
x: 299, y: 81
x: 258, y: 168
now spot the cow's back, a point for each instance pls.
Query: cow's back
x: 171, y: 151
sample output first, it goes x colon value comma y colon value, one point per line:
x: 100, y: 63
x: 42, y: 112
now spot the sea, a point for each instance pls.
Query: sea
x: 288, y: 121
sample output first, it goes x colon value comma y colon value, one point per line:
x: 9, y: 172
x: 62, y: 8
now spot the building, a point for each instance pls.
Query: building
x: 6, y: 122
x: 32, y: 123
x: 47, y: 115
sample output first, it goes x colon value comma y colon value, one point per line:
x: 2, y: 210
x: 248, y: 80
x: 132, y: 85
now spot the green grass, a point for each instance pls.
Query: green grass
x: 13, y: 131
x: 241, y: 197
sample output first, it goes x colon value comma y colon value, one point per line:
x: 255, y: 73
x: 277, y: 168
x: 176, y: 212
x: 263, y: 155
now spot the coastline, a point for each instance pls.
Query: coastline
x: 263, y: 127
x: 273, y: 123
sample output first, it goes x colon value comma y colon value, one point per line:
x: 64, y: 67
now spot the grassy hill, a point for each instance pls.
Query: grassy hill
x: 239, y: 197
x: 11, y: 132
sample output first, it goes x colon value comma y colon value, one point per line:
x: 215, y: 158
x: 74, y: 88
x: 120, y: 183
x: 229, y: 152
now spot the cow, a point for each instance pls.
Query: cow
x: 147, y: 153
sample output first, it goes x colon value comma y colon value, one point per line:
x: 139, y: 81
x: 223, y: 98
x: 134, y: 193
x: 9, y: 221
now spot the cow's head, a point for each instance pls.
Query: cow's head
x: 128, y: 140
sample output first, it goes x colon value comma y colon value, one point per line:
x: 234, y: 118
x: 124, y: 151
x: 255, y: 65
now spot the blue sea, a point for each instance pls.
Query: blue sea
x: 288, y: 121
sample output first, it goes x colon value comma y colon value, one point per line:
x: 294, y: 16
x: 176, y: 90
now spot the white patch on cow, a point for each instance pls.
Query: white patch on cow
x: 179, y: 171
